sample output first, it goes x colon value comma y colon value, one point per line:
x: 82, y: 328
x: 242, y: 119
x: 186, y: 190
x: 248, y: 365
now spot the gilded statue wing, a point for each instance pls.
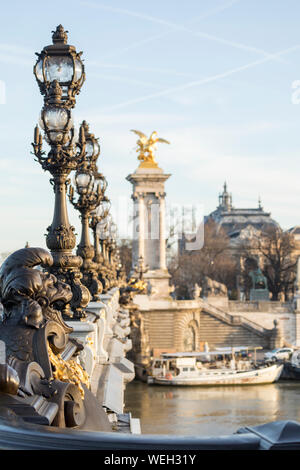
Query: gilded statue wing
x: 163, y: 140
x: 153, y: 135
x: 139, y: 133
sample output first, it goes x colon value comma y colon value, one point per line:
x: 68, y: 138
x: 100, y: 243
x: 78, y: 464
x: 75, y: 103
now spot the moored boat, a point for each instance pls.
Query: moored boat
x: 188, y: 369
x: 291, y: 369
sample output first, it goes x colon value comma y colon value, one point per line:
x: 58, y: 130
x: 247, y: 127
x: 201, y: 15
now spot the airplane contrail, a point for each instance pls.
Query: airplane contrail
x: 176, y: 27
x: 140, y: 43
x: 201, y: 81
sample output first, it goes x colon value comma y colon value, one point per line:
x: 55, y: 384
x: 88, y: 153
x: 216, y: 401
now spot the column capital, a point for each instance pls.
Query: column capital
x: 138, y: 195
x: 160, y: 195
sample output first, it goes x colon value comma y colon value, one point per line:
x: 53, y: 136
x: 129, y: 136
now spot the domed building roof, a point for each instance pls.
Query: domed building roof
x: 235, y: 220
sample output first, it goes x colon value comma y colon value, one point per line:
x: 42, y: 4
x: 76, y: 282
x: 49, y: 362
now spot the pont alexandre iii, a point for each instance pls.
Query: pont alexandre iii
x: 75, y: 330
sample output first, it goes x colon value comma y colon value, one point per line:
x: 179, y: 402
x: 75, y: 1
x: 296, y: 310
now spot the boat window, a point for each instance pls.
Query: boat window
x: 192, y: 368
x: 185, y: 369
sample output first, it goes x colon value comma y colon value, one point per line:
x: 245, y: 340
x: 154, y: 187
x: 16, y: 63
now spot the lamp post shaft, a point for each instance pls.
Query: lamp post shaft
x: 85, y: 249
x: 61, y: 241
x: 98, y: 258
x: 60, y: 217
x: 85, y: 204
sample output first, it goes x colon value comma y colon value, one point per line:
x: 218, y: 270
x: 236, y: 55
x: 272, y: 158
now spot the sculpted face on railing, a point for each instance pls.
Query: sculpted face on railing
x: 29, y: 295
x: 39, y: 373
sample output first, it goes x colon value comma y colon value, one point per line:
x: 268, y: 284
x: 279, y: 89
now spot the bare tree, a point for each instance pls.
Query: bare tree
x: 213, y: 260
x: 125, y: 250
x: 276, y: 249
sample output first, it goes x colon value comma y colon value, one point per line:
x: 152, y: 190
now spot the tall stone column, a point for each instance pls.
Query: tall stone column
x: 149, y: 238
x: 141, y: 227
x: 162, y: 231
x: 138, y: 242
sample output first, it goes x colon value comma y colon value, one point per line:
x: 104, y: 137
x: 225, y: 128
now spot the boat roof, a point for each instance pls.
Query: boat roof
x: 217, y: 352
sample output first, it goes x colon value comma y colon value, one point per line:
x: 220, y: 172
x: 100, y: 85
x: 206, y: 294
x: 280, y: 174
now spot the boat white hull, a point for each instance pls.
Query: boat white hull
x: 256, y: 376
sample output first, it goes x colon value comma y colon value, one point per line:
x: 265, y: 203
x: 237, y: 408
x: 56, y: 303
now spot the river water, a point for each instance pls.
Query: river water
x: 210, y: 411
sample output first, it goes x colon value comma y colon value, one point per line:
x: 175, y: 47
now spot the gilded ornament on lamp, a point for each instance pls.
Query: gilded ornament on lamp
x: 68, y: 371
x: 139, y: 285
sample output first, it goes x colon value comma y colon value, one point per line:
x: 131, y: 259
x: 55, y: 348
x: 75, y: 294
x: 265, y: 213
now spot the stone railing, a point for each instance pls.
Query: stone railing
x: 16, y: 435
x: 235, y: 319
x: 262, y: 306
x: 104, y: 334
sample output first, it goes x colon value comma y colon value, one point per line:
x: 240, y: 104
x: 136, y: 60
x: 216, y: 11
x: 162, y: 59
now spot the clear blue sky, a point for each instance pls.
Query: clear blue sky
x: 214, y: 77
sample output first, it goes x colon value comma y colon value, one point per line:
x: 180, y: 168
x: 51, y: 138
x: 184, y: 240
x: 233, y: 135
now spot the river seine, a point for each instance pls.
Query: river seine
x: 210, y: 411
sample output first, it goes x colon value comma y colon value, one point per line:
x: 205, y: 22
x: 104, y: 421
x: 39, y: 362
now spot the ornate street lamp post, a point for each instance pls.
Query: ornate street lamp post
x: 112, y: 253
x: 92, y: 147
x: 89, y: 199
x: 108, y: 231
x: 60, y: 62
x: 140, y: 269
x: 60, y: 74
x: 95, y: 221
x: 102, y: 233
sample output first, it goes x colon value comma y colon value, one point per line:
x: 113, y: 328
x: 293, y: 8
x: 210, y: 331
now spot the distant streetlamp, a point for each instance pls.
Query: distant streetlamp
x: 113, y: 258
x: 59, y: 73
x: 96, y: 218
x: 99, y: 225
x: 89, y: 198
x: 107, y: 230
x: 140, y: 269
x: 92, y: 147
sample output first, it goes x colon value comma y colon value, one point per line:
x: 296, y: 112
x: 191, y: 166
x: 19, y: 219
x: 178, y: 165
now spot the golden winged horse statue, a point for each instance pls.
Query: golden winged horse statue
x: 146, y: 148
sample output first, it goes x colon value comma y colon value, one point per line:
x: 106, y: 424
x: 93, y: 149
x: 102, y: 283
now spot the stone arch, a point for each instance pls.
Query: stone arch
x: 189, y: 337
x: 188, y: 332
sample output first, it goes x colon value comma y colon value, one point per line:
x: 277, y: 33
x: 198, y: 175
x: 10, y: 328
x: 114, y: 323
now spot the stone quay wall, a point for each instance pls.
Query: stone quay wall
x: 265, y: 313
x: 168, y: 324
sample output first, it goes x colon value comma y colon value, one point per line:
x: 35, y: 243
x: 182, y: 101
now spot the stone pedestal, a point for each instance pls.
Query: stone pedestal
x: 149, y: 235
x: 158, y: 283
x: 259, y: 295
x: 276, y: 339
